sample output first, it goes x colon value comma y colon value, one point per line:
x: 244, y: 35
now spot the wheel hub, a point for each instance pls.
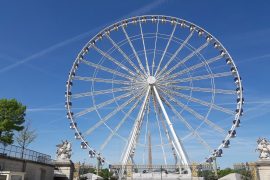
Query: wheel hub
x: 151, y: 80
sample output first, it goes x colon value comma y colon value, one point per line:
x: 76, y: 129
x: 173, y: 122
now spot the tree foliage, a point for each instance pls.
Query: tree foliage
x: 12, y: 116
x: 105, y: 174
x: 85, y: 170
x: 224, y: 172
x: 208, y: 175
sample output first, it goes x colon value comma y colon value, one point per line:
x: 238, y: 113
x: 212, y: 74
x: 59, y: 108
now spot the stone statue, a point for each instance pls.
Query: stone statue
x: 264, y: 148
x: 63, y: 152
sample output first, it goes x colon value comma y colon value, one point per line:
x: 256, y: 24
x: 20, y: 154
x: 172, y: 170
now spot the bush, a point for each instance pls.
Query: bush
x: 208, y: 175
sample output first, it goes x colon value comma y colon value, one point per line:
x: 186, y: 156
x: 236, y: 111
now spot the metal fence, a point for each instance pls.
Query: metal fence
x: 25, y: 154
x: 157, y: 171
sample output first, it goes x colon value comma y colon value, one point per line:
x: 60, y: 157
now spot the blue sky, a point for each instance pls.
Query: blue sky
x: 39, y: 41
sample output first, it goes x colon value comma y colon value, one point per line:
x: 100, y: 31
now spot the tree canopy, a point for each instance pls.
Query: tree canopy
x: 12, y: 116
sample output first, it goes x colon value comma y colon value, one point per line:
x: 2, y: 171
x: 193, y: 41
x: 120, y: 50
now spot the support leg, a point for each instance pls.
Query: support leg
x: 135, y: 131
x: 179, y: 148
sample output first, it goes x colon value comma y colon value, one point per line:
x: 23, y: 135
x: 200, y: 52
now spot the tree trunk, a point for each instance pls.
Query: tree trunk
x: 22, y: 154
x: 24, y: 166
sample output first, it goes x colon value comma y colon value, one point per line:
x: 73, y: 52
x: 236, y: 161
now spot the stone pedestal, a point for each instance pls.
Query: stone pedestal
x: 65, y: 168
x: 263, y: 169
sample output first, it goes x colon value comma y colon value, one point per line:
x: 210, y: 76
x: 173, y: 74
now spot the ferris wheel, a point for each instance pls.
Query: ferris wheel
x: 154, y: 90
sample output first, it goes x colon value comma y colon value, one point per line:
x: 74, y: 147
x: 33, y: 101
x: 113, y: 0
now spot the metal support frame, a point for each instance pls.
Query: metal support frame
x: 179, y: 148
x: 135, y: 131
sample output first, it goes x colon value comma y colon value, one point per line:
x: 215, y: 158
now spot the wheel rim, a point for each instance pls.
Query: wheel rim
x: 114, y: 69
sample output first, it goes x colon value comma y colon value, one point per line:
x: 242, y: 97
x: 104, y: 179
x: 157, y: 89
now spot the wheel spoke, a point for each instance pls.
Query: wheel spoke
x: 154, y: 56
x: 113, y: 60
x: 194, y: 67
x: 120, y: 124
x: 102, y: 80
x: 199, y: 101
x: 134, y: 51
x: 94, y: 93
x: 123, y: 54
x: 189, y: 127
x: 166, y: 48
x: 106, y: 69
x: 185, y: 59
x: 195, y: 114
x: 101, y: 105
x: 196, y: 78
x: 145, y: 56
x: 111, y: 114
x: 199, y: 89
x: 176, y: 53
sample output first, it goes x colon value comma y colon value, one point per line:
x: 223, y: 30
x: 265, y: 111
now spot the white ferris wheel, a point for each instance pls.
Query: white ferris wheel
x: 154, y: 89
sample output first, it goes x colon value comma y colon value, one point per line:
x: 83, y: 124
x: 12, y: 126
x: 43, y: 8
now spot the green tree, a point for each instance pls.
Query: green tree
x: 12, y: 114
x: 224, y: 172
x: 25, y: 137
x: 208, y: 175
x: 105, y: 173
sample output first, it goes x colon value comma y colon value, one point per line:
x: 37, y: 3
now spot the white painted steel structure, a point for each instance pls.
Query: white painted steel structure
x: 148, y: 68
